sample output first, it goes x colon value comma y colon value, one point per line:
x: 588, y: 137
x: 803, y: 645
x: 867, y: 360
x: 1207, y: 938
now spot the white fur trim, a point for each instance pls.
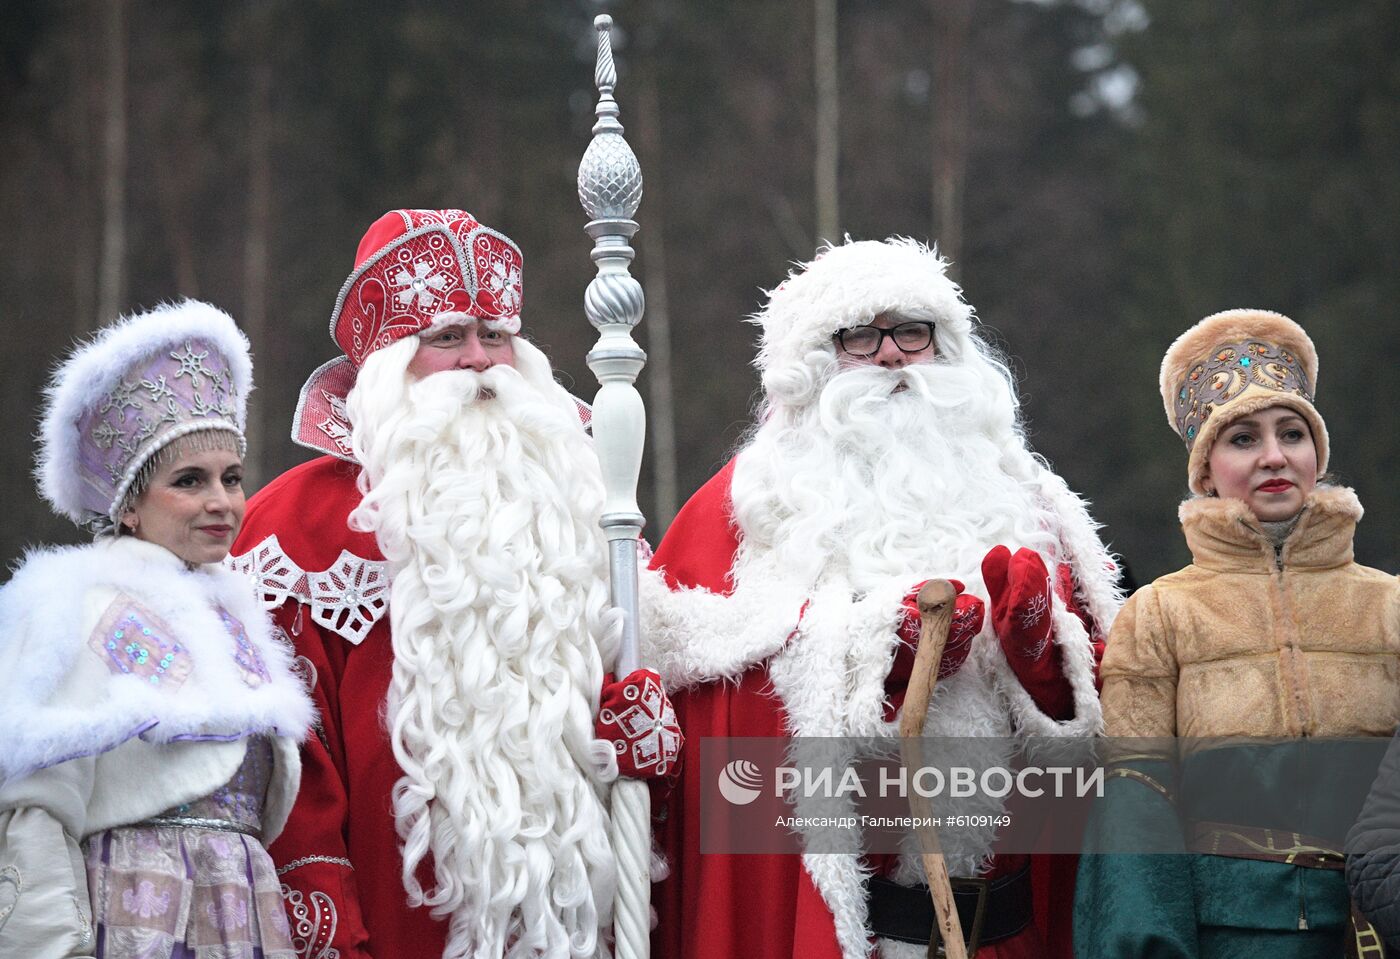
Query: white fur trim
x: 137, y: 780
x: 509, y: 325
x: 1094, y: 566
x: 691, y: 636
x: 849, y: 284
x: 1077, y: 655
x: 58, y: 698
x: 96, y: 366
x: 841, y: 879
x: 831, y: 680
x: 814, y: 677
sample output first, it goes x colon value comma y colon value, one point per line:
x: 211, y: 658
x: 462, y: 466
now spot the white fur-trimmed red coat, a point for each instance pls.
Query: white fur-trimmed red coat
x: 722, y: 648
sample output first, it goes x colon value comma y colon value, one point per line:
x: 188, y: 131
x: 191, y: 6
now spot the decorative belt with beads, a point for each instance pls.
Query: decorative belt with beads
x: 196, y: 822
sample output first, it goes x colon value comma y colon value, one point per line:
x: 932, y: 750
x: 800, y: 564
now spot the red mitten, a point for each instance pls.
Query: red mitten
x: 635, y: 715
x: 967, y: 623
x: 1019, y: 587
x: 968, y: 612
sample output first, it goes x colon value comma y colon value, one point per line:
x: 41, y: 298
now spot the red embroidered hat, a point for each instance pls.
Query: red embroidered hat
x: 414, y: 269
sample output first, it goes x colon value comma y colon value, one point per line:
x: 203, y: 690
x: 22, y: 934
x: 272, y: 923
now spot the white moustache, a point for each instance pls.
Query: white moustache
x: 465, y: 386
x: 871, y: 393
x: 938, y: 381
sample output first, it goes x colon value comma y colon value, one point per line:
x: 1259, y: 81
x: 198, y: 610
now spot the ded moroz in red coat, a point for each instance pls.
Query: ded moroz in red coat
x: 338, y: 856
x: 765, y: 906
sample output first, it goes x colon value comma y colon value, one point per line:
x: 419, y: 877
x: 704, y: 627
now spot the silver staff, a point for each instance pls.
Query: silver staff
x: 610, y: 189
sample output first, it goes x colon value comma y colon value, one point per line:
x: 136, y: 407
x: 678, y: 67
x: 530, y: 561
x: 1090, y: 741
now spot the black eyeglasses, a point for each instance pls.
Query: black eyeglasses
x: 910, y: 337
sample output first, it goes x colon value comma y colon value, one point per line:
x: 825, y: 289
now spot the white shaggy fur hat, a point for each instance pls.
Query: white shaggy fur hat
x: 1232, y: 364
x: 125, y: 395
x: 848, y: 285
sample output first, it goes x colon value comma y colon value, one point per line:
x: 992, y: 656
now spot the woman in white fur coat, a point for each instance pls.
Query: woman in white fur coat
x: 151, y: 720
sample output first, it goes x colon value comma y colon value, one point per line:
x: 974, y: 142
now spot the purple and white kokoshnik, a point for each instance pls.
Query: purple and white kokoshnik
x: 139, y: 385
x: 174, y: 393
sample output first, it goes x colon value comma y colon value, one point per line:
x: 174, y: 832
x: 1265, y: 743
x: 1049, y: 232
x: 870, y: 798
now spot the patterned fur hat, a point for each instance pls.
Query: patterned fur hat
x: 414, y: 270
x: 123, y: 397
x: 1232, y: 364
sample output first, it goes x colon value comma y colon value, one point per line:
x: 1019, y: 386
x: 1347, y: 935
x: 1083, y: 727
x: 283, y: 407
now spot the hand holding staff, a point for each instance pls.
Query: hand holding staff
x: 936, y: 614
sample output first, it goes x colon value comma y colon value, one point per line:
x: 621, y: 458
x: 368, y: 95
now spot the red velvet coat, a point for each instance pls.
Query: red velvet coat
x: 766, y: 906
x: 339, y: 855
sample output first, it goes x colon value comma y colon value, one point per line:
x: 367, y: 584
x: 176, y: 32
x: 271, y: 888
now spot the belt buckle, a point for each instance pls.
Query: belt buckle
x: 973, y: 937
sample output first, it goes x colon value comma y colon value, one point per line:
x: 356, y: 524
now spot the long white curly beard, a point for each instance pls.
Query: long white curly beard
x: 902, y: 474
x: 482, y: 497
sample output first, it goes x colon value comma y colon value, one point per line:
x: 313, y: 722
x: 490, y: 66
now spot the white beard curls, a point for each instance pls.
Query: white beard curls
x: 479, y: 494
x: 903, y: 474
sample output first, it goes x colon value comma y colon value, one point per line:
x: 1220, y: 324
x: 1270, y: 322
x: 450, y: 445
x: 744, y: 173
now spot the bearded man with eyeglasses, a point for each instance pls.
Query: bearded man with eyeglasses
x: 888, y: 450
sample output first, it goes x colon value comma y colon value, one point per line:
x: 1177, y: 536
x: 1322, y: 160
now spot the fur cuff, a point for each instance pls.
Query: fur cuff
x: 1077, y: 655
x: 692, y: 636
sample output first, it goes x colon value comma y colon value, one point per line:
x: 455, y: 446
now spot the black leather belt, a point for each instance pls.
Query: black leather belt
x: 990, y: 909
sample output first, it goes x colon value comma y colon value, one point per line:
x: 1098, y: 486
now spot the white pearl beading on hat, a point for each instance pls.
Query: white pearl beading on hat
x: 128, y: 475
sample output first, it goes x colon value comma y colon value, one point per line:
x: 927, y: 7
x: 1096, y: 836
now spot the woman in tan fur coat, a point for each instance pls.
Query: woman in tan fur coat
x: 1272, y: 631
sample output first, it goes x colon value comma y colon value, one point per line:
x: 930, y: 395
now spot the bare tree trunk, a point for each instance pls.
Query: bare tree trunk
x: 652, y: 241
x: 111, y: 289
x: 172, y: 195
x: 258, y: 239
x: 952, y: 26
x: 82, y: 179
x: 828, y: 116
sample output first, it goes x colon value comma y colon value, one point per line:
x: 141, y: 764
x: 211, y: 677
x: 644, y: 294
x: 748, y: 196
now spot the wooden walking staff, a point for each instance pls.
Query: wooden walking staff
x: 936, y: 615
x: 610, y: 189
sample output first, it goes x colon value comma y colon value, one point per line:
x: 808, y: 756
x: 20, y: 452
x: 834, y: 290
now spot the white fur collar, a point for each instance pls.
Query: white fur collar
x: 60, y: 698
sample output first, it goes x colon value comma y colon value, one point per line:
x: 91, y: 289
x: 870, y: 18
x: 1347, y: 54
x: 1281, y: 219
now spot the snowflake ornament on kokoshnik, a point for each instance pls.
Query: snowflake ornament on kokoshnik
x: 192, y: 365
x: 502, y: 280
x: 422, y: 283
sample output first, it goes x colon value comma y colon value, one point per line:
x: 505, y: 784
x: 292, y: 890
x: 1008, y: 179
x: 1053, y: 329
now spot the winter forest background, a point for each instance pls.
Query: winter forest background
x: 1103, y: 172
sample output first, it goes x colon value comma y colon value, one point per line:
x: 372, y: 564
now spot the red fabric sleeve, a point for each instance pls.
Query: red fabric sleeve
x: 699, y: 546
x: 313, y: 861
x: 306, y: 508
